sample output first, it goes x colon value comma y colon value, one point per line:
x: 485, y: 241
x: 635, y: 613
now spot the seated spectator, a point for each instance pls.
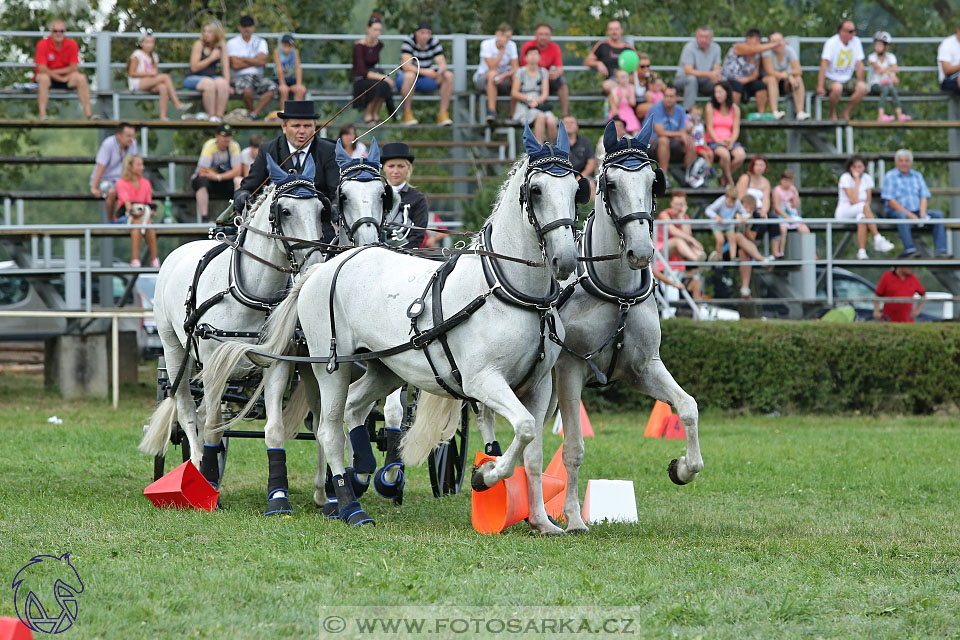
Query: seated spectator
x: 841, y: 59
x: 135, y: 199
x: 551, y: 59
x: 599, y: 151
x: 143, y: 75
x: 786, y: 204
x: 700, y: 67
x: 348, y: 138
x: 218, y: 165
x: 414, y: 210
x: 366, y: 74
x: 906, y: 193
x: 747, y: 246
x: 722, y: 129
x: 670, y: 137
x: 655, y: 87
x: 248, y: 156
x: 581, y: 152
x: 248, y: 57
x: 434, y: 74
x: 725, y: 212
x: 754, y: 182
x: 623, y: 102
x: 855, y: 191
x: 702, y: 167
x: 783, y: 76
x: 498, y: 63
x: 209, y: 52
x: 531, y: 88
x: 899, y: 282
x: 680, y: 239
x: 641, y: 83
x: 286, y: 61
x: 741, y: 68
x: 605, y: 55
x: 57, y: 60
x: 108, y: 165
x: 882, y: 77
x: 948, y: 63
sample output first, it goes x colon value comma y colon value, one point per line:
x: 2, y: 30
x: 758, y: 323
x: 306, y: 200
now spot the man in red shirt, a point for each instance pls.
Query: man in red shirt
x: 58, y: 60
x: 899, y: 283
x: 551, y: 59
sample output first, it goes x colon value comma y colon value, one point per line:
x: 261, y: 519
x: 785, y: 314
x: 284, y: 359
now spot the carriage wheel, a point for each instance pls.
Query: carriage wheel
x: 448, y: 461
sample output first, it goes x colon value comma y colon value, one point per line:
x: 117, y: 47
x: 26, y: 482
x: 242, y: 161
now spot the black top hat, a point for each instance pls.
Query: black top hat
x: 393, y: 150
x: 301, y: 109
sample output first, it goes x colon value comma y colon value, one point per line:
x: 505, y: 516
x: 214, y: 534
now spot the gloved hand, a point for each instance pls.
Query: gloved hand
x: 240, y: 200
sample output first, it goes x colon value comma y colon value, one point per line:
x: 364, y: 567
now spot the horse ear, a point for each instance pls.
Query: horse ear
x: 342, y: 156
x: 277, y: 174
x: 310, y: 169
x: 646, y: 131
x: 530, y: 142
x: 563, y: 140
x: 373, y: 154
x: 610, y: 136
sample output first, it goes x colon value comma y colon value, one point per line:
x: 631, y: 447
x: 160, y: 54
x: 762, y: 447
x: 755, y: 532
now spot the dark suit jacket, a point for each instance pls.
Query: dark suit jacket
x: 418, y: 215
x: 328, y: 172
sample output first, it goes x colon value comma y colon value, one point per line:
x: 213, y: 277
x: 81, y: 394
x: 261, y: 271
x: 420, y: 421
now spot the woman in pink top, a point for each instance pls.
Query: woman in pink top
x: 722, y: 127
x: 135, y: 197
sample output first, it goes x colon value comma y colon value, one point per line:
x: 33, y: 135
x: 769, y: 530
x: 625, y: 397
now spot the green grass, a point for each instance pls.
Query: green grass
x: 798, y: 527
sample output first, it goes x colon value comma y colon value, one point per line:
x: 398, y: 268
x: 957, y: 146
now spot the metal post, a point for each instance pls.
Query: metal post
x: 144, y: 141
x: 47, y: 251
x: 88, y: 273
x: 7, y: 211
x: 115, y: 350
x: 838, y: 131
x: 459, y: 62
x: 71, y: 272
x: 171, y: 177
x: 104, y: 82
x: 829, y: 264
x: 20, y: 211
x: 849, y: 139
x: 35, y: 251
x: 953, y: 141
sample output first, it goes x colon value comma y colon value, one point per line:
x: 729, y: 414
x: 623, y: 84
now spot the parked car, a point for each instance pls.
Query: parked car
x: 150, y: 347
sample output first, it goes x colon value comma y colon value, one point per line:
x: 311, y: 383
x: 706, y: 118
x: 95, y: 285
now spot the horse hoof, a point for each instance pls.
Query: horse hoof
x: 387, y: 489
x: 278, y: 507
x: 578, y: 531
x: 672, y: 472
x: 359, y: 488
x: 331, y: 509
x: 354, y: 515
x: 477, y: 482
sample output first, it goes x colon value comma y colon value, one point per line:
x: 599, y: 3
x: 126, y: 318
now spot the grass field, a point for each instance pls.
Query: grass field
x: 844, y: 527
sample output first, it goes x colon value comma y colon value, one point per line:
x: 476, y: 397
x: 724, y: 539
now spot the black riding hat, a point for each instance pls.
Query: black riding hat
x: 393, y: 150
x: 300, y: 109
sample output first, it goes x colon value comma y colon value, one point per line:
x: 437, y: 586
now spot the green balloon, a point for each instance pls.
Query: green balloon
x: 628, y: 60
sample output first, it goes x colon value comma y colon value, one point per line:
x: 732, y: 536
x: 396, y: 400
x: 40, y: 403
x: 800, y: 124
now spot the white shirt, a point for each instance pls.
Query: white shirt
x: 238, y: 47
x: 300, y: 157
x: 488, y: 49
x: 846, y: 182
x: 948, y: 51
x: 879, y: 78
x: 843, y: 58
x: 246, y: 156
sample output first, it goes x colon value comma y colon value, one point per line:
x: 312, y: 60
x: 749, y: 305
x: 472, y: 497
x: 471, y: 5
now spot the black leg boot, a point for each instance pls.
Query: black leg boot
x: 395, y: 489
x: 350, y: 510
x: 363, y: 459
x: 277, y: 484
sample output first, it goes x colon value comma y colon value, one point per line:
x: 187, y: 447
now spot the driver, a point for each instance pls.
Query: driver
x: 397, y: 162
x: 298, y: 121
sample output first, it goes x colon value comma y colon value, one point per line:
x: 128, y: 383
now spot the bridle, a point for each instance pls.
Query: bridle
x: 621, y: 159
x: 363, y: 172
x: 293, y: 189
x: 557, y: 166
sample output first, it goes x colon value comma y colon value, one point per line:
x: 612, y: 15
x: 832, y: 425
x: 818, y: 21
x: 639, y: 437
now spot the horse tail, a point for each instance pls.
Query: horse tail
x: 156, y: 438
x: 295, y: 412
x: 220, y: 428
x: 437, y: 420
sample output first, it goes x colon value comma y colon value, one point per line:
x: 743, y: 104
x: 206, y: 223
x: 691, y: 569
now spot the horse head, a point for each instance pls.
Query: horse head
x: 365, y: 200
x: 297, y: 209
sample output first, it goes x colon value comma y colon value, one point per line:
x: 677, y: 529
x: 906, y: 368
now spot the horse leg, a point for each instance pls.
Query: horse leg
x: 655, y: 381
x: 376, y: 383
x: 275, y: 380
x: 212, y: 440
x: 186, y: 407
x: 537, y: 402
x: 486, y: 418
x: 570, y: 378
x: 324, y: 496
x: 390, y: 479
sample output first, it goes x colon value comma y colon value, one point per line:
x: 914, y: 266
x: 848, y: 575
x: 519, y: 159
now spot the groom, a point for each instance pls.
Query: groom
x: 298, y: 121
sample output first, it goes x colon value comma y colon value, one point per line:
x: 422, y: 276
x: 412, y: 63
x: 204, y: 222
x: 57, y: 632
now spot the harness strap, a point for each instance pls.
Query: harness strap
x: 238, y: 247
x: 502, y: 287
x: 332, y: 361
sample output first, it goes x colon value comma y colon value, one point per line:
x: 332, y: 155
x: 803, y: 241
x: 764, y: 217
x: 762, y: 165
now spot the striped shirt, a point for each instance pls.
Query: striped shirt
x: 905, y: 189
x: 431, y: 50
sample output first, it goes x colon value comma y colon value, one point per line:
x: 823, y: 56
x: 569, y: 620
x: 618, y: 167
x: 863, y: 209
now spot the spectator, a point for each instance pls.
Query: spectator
x: 670, y: 137
x: 249, y: 155
x: 218, y: 165
x: 623, y: 101
x: 108, y: 165
x: 855, y: 191
x: 57, y: 60
x: 748, y: 249
x: 286, y: 60
x: 882, y: 77
x: 551, y: 59
x: 498, y: 63
x: 841, y: 59
x: 725, y: 211
x: 722, y: 129
x: 655, y: 87
x: 143, y: 75
x: 699, y: 67
x: 208, y: 52
x: 680, y: 240
x: 605, y: 55
x: 899, y: 282
x: 783, y: 76
x: 248, y: 57
x: 906, y: 194
x: 741, y: 68
x: 531, y: 88
x: 701, y: 168
x: 434, y: 74
x: 755, y: 183
x: 581, y: 152
x: 599, y: 151
x: 353, y: 147
x: 414, y: 210
x: 135, y: 197
x: 786, y: 204
x: 641, y: 83
x: 366, y: 74
x: 948, y: 63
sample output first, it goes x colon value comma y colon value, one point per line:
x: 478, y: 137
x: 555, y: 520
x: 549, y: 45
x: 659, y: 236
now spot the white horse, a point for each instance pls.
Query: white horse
x: 496, y: 352
x: 611, y: 320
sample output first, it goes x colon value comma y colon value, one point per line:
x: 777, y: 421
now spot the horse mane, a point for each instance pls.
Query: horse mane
x: 265, y: 194
x: 501, y: 192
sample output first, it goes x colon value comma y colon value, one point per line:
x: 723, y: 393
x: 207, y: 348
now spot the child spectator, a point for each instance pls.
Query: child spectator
x: 286, y: 59
x: 655, y: 88
x: 725, y: 210
x: 366, y: 57
x: 786, y: 204
x: 135, y: 197
x: 700, y: 169
x: 531, y: 88
x: 748, y: 249
x: 623, y: 100
x: 210, y: 51
x: 855, y: 190
x: 348, y: 138
x: 249, y: 155
x: 882, y: 77
x: 143, y: 75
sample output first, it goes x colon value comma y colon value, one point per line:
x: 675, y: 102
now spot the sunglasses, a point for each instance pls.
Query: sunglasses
x: 643, y: 66
x: 58, y: 30
x: 849, y: 30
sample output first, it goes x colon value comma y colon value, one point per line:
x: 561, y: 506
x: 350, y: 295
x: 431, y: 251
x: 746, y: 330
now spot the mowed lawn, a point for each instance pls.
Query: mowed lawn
x: 833, y: 527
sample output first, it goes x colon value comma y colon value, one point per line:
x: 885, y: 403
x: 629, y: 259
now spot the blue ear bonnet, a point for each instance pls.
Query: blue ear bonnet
x: 560, y: 168
x: 615, y: 147
x: 360, y: 169
x: 280, y: 177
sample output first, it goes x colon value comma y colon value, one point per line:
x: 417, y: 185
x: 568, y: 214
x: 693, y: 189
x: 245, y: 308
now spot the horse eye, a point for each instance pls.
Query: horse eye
x: 611, y: 186
x: 535, y: 190
x: 285, y: 211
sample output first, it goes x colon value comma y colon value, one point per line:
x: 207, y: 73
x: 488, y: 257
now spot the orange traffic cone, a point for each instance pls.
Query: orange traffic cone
x: 183, y: 487
x: 673, y: 428
x: 13, y: 629
x: 585, y: 427
x: 506, y: 503
x: 555, y: 469
x: 655, y: 425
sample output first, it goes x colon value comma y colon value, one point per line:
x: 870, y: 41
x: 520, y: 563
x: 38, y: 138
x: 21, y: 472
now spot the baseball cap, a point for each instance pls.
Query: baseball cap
x: 883, y: 36
x: 424, y: 24
x: 225, y: 129
x: 287, y: 38
x: 247, y: 21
